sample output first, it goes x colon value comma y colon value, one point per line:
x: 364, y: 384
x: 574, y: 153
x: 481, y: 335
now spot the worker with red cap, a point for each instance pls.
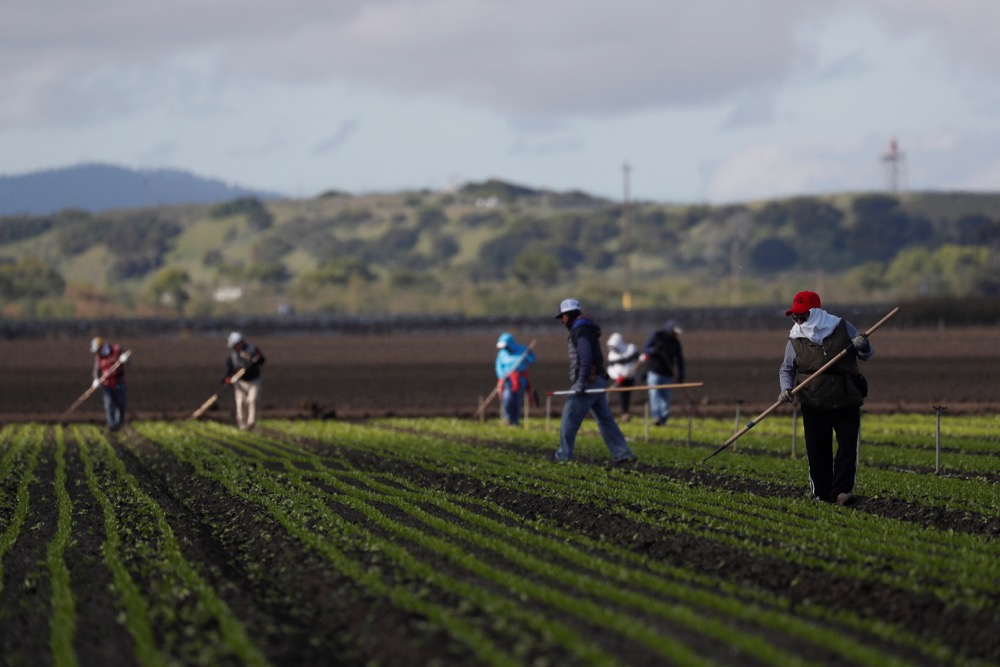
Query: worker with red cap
x: 831, y: 402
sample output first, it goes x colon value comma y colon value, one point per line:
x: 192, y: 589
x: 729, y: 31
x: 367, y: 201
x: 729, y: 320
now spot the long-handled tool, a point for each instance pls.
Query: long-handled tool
x: 496, y: 389
x: 215, y: 397
x: 798, y: 387
x: 608, y: 390
x: 93, y: 387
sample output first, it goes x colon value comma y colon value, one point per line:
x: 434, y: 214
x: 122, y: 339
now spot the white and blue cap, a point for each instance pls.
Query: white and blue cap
x: 234, y: 338
x: 568, y: 306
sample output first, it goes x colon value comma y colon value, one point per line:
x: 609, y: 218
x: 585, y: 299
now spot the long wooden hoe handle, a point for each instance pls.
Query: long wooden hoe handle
x: 92, y: 388
x: 875, y: 327
x: 496, y: 388
x: 214, y: 397
x: 610, y: 390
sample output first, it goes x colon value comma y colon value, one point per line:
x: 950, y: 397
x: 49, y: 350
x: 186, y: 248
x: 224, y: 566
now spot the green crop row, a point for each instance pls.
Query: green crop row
x: 468, y: 531
x: 160, y: 589
x: 854, y: 544
x: 17, y: 469
x: 648, y: 500
x: 363, y: 492
x: 762, y: 455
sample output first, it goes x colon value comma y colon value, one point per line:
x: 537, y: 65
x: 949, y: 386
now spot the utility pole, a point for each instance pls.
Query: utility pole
x: 626, y: 241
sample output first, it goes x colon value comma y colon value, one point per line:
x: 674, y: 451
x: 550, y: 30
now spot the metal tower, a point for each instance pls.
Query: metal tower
x: 893, y: 159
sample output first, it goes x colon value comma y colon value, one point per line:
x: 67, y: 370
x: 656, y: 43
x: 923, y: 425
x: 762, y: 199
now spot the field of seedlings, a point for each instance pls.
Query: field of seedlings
x: 444, y: 541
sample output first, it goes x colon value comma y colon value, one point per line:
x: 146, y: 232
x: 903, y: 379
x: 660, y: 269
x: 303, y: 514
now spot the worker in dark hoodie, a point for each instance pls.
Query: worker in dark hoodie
x: 589, y: 380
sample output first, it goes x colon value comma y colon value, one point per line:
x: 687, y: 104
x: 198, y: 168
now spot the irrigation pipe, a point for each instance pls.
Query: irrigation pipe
x: 93, y: 387
x: 802, y: 384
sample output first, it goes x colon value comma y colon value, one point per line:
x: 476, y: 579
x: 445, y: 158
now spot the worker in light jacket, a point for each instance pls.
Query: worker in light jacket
x: 512, y: 362
x: 623, y: 360
x: 246, y: 356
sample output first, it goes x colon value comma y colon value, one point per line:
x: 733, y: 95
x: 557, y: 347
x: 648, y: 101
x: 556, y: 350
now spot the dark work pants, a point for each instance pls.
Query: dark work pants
x: 625, y: 397
x: 114, y: 405
x: 831, y: 475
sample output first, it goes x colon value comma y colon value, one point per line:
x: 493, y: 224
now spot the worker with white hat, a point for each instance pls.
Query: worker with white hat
x: 246, y: 359
x: 588, y: 377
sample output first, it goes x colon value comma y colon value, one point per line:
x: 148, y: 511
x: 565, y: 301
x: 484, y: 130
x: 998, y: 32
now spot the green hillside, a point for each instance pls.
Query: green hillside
x: 495, y: 248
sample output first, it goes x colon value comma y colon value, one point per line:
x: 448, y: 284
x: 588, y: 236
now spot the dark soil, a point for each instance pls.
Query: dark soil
x: 449, y: 374
x: 300, y: 611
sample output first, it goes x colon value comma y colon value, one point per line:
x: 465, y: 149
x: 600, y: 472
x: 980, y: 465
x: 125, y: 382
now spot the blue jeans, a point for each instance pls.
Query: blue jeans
x: 512, y: 402
x: 659, y: 399
x: 114, y: 405
x: 576, y: 410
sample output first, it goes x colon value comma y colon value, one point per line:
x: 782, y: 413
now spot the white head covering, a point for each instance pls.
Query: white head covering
x: 819, y: 325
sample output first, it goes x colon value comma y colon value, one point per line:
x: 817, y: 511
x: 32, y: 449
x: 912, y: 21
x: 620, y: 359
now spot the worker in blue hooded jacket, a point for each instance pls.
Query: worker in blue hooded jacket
x: 512, y: 364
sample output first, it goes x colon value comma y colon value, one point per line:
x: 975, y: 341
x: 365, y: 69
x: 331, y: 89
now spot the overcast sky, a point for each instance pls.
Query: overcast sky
x: 706, y: 100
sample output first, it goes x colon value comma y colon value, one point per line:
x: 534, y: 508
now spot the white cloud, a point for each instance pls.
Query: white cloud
x: 786, y: 169
x: 719, y: 99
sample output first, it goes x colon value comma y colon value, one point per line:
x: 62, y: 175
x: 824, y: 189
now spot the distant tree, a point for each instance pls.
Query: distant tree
x: 773, y: 215
x: 126, y: 268
x: 212, y: 257
x: 353, y: 215
x: 874, y: 206
x: 430, y: 217
x: 271, y: 249
x: 506, y: 192
x: 536, y: 268
x: 77, y: 235
x: 569, y: 256
x: 496, y: 257
x: 990, y: 234
x: 601, y: 226
x: 882, y: 228
x: 270, y: 274
x: 169, y: 287
x: 29, y: 278
x: 483, y: 219
x: 257, y: 215
x: 969, y: 228
x: 14, y: 228
x: 444, y: 246
x: 598, y: 258
x: 396, y: 241
x: 773, y: 254
x: 337, y: 272
x: 332, y: 194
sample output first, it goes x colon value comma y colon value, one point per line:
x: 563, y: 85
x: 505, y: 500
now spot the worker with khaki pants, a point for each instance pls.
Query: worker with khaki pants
x: 247, y: 357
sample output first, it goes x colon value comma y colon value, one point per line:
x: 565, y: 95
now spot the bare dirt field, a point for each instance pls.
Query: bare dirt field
x: 447, y: 374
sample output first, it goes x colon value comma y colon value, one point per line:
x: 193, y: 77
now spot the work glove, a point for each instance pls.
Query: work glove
x: 227, y: 380
x: 578, y: 390
x: 124, y: 357
x: 619, y: 381
x: 860, y: 343
x: 95, y: 384
x: 786, y: 396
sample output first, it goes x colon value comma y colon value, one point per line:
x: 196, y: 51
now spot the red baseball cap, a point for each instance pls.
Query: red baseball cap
x: 803, y: 303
